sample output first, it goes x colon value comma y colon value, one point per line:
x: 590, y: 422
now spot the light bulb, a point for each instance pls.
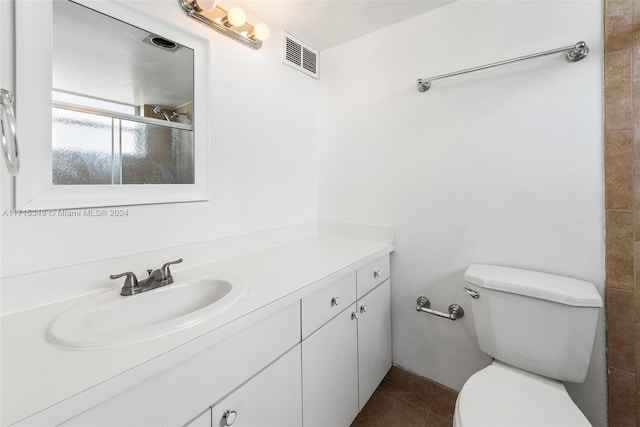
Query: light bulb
x: 205, y: 5
x: 260, y: 32
x: 235, y: 17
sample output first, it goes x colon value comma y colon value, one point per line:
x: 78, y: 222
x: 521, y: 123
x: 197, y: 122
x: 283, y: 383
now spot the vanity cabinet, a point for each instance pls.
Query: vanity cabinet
x: 314, y: 363
x: 345, y: 360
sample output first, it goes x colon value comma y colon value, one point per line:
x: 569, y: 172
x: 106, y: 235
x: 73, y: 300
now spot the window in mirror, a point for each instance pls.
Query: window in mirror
x: 122, y: 102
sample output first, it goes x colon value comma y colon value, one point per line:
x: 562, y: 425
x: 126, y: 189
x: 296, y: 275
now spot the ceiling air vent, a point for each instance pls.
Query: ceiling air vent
x: 300, y: 56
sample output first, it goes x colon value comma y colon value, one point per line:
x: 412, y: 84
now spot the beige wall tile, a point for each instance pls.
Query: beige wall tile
x: 637, y: 354
x: 619, y: 250
x: 621, y: 329
x: 635, y: 179
x: 622, y: 180
x: 618, y: 8
x: 619, y: 164
x: 618, y: 96
x: 636, y: 247
x: 635, y: 53
x: 637, y: 407
x: 619, y: 35
x: 622, y: 398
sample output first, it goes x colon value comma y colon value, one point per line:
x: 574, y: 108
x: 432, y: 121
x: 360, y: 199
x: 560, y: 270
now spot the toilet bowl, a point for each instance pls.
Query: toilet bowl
x: 539, y: 328
x: 501, y: 395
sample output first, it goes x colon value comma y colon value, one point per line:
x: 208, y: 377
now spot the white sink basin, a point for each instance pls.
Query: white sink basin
x: 110, y: 319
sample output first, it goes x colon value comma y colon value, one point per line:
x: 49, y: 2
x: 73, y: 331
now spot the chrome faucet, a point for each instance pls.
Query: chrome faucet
x: 157, y: 278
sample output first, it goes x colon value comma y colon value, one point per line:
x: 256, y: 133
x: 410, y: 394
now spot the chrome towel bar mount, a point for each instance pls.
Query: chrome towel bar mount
x: 455, y: 311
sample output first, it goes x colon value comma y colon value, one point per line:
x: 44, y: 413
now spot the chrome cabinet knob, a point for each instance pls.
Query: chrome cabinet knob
x: 363, y: 308
x: 354, y: 315
x: 376, y: 274
x: 335, y: 301
x: 229, y: 417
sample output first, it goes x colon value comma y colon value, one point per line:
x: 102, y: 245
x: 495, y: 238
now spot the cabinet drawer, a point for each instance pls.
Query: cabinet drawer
x: 322, y: 306
x: 372, y: 275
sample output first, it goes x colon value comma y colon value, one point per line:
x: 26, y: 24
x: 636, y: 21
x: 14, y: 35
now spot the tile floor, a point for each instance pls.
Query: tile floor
x: 405, y: 399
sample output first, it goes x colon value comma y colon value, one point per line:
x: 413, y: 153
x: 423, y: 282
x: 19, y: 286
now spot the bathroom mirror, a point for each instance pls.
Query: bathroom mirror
x: 122, y: 92
x: 122, y: 102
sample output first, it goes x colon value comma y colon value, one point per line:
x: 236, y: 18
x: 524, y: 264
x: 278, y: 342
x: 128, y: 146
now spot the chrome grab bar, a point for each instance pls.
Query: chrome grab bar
x: 455, y: 311
x: 8, y: 132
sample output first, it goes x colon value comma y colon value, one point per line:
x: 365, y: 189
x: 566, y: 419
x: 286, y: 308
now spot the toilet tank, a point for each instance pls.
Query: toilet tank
x: 538, y: 322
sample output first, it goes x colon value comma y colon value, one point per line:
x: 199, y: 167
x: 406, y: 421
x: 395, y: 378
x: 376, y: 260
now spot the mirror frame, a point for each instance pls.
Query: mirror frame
x: 33, y: 186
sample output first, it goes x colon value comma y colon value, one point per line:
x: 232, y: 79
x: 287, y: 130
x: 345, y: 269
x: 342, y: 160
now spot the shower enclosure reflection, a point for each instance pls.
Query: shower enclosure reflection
x: 122, y: 102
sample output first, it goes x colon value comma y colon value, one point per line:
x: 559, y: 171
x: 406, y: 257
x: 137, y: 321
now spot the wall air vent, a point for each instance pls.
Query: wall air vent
x: 300, y: 56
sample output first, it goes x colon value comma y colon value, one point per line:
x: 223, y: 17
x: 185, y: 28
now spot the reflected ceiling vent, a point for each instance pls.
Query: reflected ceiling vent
x: 160, y: 42
x: 300, y: 56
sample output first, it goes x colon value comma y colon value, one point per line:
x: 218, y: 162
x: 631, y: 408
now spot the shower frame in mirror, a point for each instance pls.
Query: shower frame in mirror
x: 33, y: 186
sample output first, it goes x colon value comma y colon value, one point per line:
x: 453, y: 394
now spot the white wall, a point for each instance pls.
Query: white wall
x: 263, y: 168
x: 502, y: 166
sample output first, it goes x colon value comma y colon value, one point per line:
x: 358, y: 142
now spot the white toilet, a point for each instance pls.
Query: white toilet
x: 539, y: 328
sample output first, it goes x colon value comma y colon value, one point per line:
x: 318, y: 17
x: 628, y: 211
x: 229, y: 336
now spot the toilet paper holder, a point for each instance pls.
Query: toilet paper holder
x: 455, y: 311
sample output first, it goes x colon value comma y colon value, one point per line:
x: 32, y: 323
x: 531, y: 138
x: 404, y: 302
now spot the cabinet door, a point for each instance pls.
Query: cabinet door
x: 330, y: 373
x: 273, y: 398
x: 374, y: 340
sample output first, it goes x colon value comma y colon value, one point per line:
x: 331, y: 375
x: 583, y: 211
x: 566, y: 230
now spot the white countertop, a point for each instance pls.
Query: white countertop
x: 35, y: 375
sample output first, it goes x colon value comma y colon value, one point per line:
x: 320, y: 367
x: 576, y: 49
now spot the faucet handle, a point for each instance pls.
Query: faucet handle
x: 166, y: 272
x: 130, y: 284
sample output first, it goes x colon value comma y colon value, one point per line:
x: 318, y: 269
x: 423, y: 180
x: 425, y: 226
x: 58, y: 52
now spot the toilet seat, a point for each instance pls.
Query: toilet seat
x: 501, y: 395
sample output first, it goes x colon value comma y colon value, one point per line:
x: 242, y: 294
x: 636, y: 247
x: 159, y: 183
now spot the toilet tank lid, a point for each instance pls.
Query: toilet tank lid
x: 560, y: 289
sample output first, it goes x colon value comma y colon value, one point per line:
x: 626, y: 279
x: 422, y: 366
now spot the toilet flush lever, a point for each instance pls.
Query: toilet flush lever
x: 473, y: 294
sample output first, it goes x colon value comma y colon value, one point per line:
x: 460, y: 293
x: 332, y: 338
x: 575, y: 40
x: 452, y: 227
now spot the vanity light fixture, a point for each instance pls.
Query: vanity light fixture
x: 231, y: 23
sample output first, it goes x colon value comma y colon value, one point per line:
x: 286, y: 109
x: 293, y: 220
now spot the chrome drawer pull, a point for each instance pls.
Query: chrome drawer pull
x: 335, y: 301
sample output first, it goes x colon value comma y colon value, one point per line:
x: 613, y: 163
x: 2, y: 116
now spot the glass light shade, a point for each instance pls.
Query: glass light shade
x: 236, y: 17
x: 206, y: 5
x: 261, y: 32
